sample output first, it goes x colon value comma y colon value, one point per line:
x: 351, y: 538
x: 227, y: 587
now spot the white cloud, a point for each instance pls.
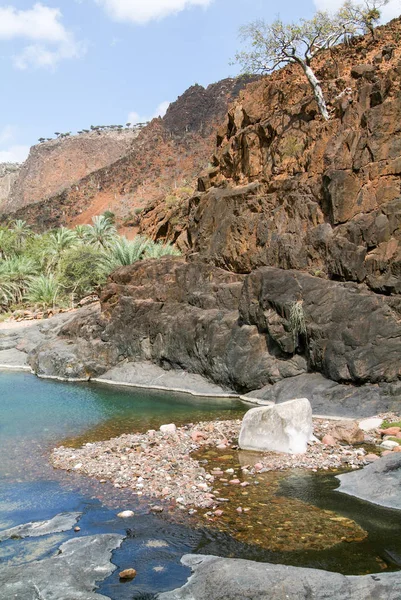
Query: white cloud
x: 41, y: 25
x: 143, y: 11
x: 14, y: 154
x: 160, y: 111
x: 6, y: 134
x: 39, y: 55
x: 391, y: 10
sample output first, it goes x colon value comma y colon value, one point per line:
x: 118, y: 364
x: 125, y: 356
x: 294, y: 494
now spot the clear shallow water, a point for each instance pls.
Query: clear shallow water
x: 37, y: 414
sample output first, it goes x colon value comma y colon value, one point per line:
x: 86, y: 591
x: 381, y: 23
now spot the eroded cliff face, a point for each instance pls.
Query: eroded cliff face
x: 67, y: 182
x: 289, y: 190
x: 296, y: 216
x: 56, y: 165
x: 8, y: 175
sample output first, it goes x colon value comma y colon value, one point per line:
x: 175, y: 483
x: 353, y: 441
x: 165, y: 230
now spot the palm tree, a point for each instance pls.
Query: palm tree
x: 102, y: 233
x: 124, y: 252
x: 21, y: 230
x: 6, y: 242
x: 81, y: 231
x: 59, y: 241
x: 158, y: 249
x: 63, y: 238
x: 15, y: 276
x: 43, y: 290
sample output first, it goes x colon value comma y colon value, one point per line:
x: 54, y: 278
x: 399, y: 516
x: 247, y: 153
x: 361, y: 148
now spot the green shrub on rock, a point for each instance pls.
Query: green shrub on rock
x: 82, y: 270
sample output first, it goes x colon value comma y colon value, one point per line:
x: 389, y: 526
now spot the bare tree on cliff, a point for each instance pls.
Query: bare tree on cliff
x: 276, y: 44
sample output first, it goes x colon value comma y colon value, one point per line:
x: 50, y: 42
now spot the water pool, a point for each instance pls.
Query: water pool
x: 37, y: 414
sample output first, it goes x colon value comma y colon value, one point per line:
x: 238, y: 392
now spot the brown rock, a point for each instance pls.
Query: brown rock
x: 328, y: 440
x: 371, y: 457
x: 366, y: 71
x: 393, y: 431
x: 347, y: 432
x: 127, y: 574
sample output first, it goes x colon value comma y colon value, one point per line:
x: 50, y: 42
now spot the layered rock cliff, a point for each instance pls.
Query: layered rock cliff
x: 58, y: 164
x: 8, y: 175
x: 290, y: 190
x: 67, y: 181
x: 293, y: 248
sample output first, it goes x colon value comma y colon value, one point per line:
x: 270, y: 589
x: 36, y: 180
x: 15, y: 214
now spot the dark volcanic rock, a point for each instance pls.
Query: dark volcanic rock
x: 237, y: 331
x: 333, y: 399
x: 70, y: 575
x: 379, y: 482
x: 230, y: 579
x: 351, y: 334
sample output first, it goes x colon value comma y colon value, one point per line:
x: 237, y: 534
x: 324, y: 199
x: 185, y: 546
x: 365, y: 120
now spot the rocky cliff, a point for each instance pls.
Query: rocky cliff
x: 289, y: 190
x: 66, y: 182
x: 293, y: 240
x: 58, y: 164
x: 8, y: 175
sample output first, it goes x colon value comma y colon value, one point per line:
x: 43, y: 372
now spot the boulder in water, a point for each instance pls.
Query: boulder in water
x: 285, y: 427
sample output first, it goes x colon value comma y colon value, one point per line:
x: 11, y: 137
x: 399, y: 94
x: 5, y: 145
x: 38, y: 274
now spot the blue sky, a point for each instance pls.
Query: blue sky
x: 67, y: 64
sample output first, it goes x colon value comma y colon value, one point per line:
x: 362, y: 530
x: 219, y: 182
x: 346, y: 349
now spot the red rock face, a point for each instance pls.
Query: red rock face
x: 56, y: 165
x: 289, y: 190
x: 73, y: 179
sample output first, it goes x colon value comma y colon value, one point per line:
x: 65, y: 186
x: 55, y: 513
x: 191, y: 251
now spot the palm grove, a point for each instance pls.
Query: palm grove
x: 60, y: 267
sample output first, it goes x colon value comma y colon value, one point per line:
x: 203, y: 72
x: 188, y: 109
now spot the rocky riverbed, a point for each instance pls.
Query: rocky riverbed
x: 161, y: 464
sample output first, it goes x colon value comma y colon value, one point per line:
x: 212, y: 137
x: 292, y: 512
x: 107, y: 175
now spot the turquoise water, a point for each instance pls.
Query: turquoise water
x: 36, y: 415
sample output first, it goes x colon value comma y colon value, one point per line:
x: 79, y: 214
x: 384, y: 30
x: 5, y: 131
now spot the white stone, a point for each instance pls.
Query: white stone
x: 388, y: 445
x: 371, y: 423
x: 126, y: 514
x: 170, y: 428
x: 285, y: 427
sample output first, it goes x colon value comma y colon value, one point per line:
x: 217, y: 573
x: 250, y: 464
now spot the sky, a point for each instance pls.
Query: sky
x: 69, y: 64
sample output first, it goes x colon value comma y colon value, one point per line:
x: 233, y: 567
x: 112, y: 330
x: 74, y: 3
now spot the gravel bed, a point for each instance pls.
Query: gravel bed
x: 159, y: 464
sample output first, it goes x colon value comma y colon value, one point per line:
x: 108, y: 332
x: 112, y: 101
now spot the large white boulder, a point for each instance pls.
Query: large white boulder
x: 285, y: 427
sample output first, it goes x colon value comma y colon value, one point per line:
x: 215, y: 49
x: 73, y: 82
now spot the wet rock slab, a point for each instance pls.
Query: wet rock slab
x: 151, y: 376
x: 70, y: 575
x: 57, y: 524
x: 231, y: 579
x: 328, y: 397
x: 379, y: 482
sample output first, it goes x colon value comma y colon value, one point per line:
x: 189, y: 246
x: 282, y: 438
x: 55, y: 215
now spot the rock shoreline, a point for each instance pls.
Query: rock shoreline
x: 230, y: 579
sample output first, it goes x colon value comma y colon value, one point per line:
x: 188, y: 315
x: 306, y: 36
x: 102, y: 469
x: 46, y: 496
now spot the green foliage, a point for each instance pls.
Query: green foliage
x: 7, y: 242
x: 81, y: 270
x: 158, y: 249
x: 110, y: 216
x: 102, y: 233
x: 387, y: 424
x: 124, y: 252
x: 15, y: 275
x: 297, y: 318
x: 65, y: 264
x: 43, y: 290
